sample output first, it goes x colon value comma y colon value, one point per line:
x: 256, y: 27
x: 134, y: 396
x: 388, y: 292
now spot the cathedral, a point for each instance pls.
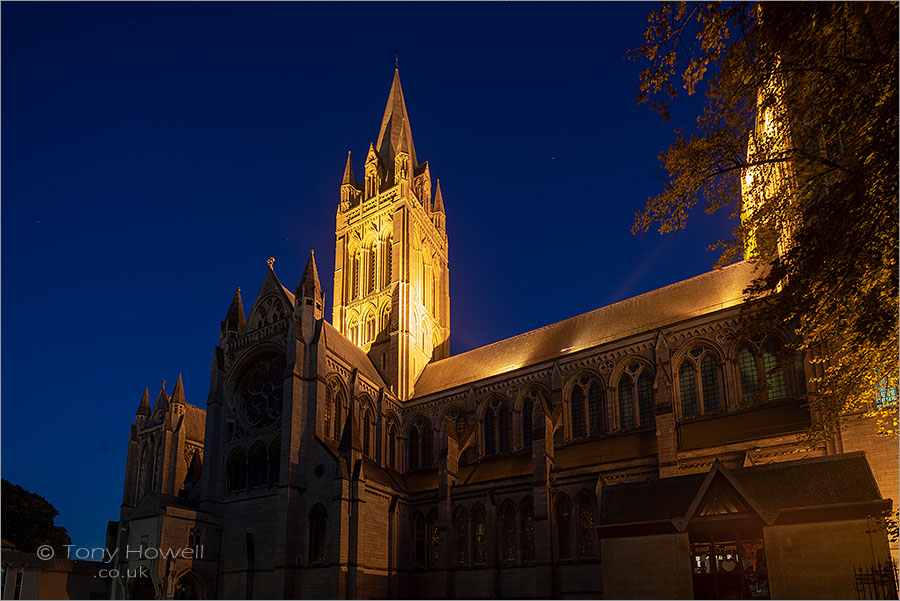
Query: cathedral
x: 641, y: 450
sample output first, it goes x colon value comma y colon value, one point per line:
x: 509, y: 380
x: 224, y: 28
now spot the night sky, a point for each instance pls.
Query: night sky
x: 155, y: 155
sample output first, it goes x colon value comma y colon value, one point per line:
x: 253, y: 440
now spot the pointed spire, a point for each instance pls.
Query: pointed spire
x: 394, y: 123
x: 309, y: 282
x: 144, y: 406
x: 348, y: 172
x: 438, y: 199
x: 162, y: 401
x: 178, y: 393
x: 234, y: 319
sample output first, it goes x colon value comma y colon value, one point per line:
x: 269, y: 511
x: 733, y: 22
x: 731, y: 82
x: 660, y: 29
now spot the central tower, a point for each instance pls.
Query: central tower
x: 391, y: 274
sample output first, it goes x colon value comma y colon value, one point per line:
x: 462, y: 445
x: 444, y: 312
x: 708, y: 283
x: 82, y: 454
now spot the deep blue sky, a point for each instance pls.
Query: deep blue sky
x: 155, y: 155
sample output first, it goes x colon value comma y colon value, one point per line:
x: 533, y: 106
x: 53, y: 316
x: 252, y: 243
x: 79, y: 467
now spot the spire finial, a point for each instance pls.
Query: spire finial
x: 396, y: 62
x: 271, y: 261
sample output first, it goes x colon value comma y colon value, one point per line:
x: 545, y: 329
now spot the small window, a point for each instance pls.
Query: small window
x: 687, y: 383
x: 317, y: 525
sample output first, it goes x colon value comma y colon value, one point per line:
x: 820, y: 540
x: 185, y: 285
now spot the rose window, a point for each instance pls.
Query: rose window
x: 261, y: 391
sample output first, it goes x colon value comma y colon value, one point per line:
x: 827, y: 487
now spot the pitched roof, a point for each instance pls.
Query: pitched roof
x: 194, y: 423
x: 693, y: 297
x: 394, y: 122
x: 820, y: 481
x: 352, y: 354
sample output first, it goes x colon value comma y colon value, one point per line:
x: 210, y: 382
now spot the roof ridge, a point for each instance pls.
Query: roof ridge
x: 586, y: 313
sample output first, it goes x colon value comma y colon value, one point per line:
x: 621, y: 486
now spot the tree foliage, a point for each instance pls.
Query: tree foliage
x: 798, y: 137
x: 28, y: 520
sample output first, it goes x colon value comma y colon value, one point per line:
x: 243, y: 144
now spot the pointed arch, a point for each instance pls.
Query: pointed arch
x: 236, y: 471
x: 420, y: 443
x: 434, y: 538
x: 585, y: 505
x: 587, y: 405
x: 562, y: 513
x: 257, y: 465
x: 387, y: 243
x: 509, y: 533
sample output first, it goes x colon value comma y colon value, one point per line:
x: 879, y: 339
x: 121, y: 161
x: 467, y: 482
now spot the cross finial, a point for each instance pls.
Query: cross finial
x: 396, y: 62
x: 271, y: 261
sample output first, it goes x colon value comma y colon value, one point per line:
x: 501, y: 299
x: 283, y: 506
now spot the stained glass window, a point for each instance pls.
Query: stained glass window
x: 709, y: 378
x: 461, y: 525
x: 479, y: 534
x: 489, y: 442
x: 626, y: 402
x: 585, y: 527
x: 774, y: 373
x: 564, y: 527
x: 527, y: 511
x: 260, y: 390
x: 527, y: 410
x: 578, y: 412
x: 687, y: 381
x: 596, y: 409
x: 747, y: 368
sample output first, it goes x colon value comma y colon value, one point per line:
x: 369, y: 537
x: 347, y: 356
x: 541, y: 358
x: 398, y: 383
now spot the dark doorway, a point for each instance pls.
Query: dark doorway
x: 143, y: 589
x: 729, y: 564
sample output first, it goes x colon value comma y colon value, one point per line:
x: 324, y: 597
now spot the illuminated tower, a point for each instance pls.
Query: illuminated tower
x: 391, y: 275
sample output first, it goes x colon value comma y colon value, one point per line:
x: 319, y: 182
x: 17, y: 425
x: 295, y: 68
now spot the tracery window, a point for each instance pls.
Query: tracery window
x: 260, y: 391
x: 369, y: 332
x: 590, y: 419
x: 420, y: 444
x: 700, y: 379
x: 335, y: 401
x: 495, y: 427
x: 386, y: 318
x: 236, y: 471
x: 510, y: 533
x: 635, y: 391
x: 586, y: 530
x: 193, y: 538
x: 142, y: 474
x: 434, y: 542
x: 479, y: 535
x: 368, y: 425
x: 318, y: 520
x: 762, y: 367
x: 526, y: 511
x: 353, y: 329
x: 258, y: 466
x: 357, y: 264
x: 461, y: 528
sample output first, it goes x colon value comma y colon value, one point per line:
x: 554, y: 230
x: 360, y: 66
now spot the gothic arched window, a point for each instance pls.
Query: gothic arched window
x: 527, y: 411
x: 590, y: 419
x: 260, y: 391
x: 503, y: 433
x: 434, y: 542
x: 339, y: 403
x: 496, y: 427
x: 479, y: 535
x: 775, y: 376
x: 386, y: 263
x: 510, y: 533
x: 274, y: 462
x: 586, y: 531
x: 747, y: 369
x: 373, y: 266
x: 461, y: 530
x: 419, y: 540
x: 369, y: 331
x: 687, y: 387
x: 143, y: 474
x: 386, y: 318
x: 318, y: 521
x: 236, y: 471
x: 421, y: 444
x: 635, y: 391
x: 258, y: 466
x: 700, y: 382
x: 413, y: 447
x: 353, y: 329
x: 564, y: 526
x: 392, y: 446
x: 526, y: 512
x: 489, y: 434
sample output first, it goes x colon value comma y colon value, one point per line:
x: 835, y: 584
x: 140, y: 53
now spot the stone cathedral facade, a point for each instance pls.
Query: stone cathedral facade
x: 638, y: 450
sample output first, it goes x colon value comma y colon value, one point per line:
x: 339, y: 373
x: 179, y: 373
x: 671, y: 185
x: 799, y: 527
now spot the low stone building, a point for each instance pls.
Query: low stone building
x: 356, y: 459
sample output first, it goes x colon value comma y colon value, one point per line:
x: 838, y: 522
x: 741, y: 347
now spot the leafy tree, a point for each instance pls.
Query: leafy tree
x: 28, y: 520
x: 798, y: 137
